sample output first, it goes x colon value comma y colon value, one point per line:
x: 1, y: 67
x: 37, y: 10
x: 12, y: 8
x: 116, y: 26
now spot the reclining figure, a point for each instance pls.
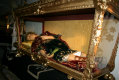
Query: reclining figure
x: 52, y: 46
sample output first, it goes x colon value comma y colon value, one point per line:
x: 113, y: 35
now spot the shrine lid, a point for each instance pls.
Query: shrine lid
x: 44, y: 7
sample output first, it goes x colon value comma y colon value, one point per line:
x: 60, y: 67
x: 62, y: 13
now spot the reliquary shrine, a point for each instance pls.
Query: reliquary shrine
x: 89, y: 26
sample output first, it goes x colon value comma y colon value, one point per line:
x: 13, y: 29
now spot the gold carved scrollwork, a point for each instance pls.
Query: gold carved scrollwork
x: 50, y: 6
x: 109, y: 76
x: 102, y: 4
x: 96, y: 34
x: 39, y: 11
x: 87, y: 74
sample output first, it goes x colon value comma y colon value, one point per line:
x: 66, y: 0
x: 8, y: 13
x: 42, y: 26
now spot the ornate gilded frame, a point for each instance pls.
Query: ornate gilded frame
x: 44, y: 7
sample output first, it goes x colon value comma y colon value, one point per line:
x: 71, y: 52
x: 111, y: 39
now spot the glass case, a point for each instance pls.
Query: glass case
x: 89, y: 26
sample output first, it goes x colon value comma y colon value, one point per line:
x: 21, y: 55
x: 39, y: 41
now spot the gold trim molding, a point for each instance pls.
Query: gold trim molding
x: 52, y: 6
